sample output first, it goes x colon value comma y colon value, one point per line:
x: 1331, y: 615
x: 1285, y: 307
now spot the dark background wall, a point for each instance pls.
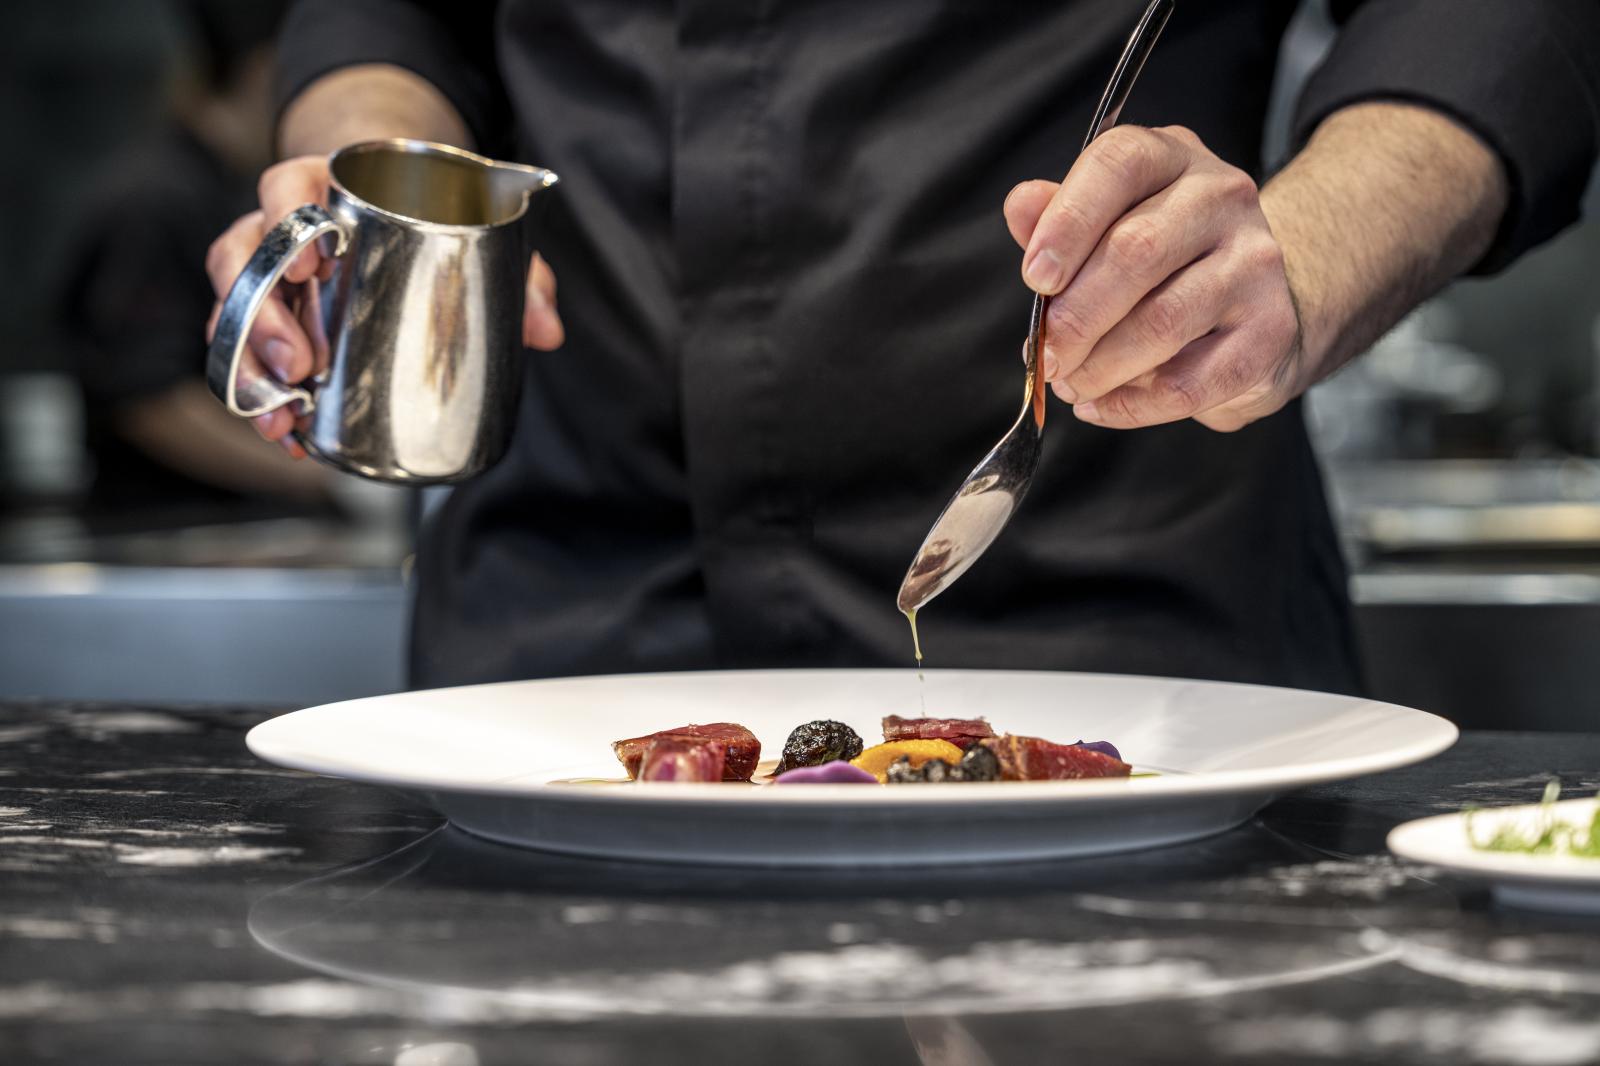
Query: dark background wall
x: 78, y: 79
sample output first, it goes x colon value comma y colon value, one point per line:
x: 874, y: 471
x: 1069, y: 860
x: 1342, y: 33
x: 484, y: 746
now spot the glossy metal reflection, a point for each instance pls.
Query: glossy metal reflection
x: 417, y: 330
x: 989, y: 496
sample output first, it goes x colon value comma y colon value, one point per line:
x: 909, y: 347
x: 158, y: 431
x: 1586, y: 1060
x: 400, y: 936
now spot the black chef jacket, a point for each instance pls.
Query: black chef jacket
x: 794, y: 314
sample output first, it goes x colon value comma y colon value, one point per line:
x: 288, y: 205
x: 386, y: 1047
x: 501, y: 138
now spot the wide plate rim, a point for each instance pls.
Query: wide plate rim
x: 1439, y: 735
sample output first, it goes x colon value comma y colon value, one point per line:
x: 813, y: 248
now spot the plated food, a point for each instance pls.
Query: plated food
x: 824, y: 751
x: 719, y: 752
x: 1547, y: 833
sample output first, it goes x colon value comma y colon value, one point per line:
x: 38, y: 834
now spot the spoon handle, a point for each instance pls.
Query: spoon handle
x: 1129, y: 64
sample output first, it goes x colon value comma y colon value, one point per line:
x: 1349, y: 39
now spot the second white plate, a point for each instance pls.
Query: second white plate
x: 1541, y: 882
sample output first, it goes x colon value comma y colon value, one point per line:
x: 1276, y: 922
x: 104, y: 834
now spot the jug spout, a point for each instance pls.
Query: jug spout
x: 519, y: 179
x: 524, y: 176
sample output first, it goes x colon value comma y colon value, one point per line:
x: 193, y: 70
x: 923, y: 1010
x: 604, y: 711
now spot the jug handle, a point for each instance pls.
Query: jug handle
x: 258, y: 392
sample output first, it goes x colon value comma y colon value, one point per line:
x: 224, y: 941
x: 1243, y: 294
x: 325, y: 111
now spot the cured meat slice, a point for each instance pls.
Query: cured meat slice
x: 962, y: 732
x: 743, y: 750
x: 672, y: 758
x: 1034, y: 759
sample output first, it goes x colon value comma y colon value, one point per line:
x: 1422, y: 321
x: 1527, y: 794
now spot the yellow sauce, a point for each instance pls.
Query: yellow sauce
x: 916, y: 644
x: 916, y: 648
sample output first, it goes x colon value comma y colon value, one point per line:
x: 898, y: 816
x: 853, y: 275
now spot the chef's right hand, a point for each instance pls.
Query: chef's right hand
x: 277, y: 338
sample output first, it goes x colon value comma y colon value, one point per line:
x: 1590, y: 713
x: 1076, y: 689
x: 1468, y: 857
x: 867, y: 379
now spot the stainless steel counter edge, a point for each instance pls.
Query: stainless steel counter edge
x: 190, y: 582
x: 213, y: 635
x: 1460, y: 587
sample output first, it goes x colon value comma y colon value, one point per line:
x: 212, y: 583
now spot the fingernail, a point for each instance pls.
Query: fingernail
x: 1051, y: 367
x: 277, y: 354
x: 1087, y: 411
x: 1043, y: 273
x: 1066, y: 392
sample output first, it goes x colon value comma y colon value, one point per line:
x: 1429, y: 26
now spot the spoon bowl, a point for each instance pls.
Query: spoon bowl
x: 989, y: 496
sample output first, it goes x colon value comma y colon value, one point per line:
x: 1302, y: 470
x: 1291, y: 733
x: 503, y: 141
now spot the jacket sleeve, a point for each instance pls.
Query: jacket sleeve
x: 1524, y: 75
x: 450, y: 43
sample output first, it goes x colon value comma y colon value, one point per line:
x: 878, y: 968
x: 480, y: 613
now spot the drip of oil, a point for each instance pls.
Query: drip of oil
x: 916, y: 647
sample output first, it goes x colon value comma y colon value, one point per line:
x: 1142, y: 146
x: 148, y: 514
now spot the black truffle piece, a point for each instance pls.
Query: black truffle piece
x: 818, y: 742
x: 979, y: 764
x: 901, y: 772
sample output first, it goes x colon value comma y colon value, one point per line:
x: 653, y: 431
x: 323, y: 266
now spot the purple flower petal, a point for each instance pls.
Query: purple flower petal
x: 837, y: 772
x: 1104, y: 747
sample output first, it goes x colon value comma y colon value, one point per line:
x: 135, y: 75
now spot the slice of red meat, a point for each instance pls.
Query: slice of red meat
x: 743, y: 749
x: 962, y: 732
x: 1033, y: 759
x: 676, y: 758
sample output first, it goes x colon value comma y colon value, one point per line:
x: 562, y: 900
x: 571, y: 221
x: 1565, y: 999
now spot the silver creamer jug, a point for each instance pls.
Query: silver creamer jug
x: 417, y: 332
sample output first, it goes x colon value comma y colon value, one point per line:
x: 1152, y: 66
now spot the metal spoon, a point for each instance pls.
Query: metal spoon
x: 989, y: 496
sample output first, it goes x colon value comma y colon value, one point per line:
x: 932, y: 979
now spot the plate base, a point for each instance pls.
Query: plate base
x: 1573, y: 900
x: 810, y: 837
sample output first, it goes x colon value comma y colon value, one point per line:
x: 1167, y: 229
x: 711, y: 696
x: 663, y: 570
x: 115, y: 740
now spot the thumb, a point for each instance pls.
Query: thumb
x: 1024, y: 205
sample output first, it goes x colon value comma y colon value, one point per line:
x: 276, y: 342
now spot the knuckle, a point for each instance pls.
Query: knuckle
x: 1134, y: 246
x: 215, y: 255
x: 1182, y: 134
x: 1068, y: 220
x: 1126, y: 151
x: 1234, y: 377
x: 1091, y: 380
x: 1236, y: 184
x: 1283, y: 326
x: 1266, y: 256
x: 1223, y: 420
x: 268, y: 180
x: 1120, y: 407
x: 1180, y: 392
x: 1066, y: 326
x: 1166, y: 316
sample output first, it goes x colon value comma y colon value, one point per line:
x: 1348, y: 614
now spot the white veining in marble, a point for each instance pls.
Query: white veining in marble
x: 1510, y: 1036
x: 54, y: 842
x: 27, y: 927
x: 105, y: 724
x: 222, y: 771
x: 75, y: 791
x: 225, y: 855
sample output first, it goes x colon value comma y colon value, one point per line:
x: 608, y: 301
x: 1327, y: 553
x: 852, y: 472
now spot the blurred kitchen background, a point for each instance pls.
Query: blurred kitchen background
x: 152, y: 549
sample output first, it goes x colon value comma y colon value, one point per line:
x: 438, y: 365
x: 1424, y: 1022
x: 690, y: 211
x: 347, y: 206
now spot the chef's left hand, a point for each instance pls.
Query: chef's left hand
x: 1170, y: 297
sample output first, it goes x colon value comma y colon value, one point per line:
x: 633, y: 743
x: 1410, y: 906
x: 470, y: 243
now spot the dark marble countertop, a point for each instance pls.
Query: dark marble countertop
x: 167, y: 898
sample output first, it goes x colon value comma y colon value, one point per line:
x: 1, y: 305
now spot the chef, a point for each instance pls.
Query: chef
x: 796, y: 243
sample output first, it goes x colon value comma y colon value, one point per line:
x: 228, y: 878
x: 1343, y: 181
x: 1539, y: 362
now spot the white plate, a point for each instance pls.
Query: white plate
x: 1542, y: 882
x: 486, y: 757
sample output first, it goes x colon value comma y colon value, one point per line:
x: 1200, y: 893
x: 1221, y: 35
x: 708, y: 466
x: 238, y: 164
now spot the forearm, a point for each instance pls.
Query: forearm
x: 1386, y: 204
x: 364, y: 103
x: 185, y: 429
